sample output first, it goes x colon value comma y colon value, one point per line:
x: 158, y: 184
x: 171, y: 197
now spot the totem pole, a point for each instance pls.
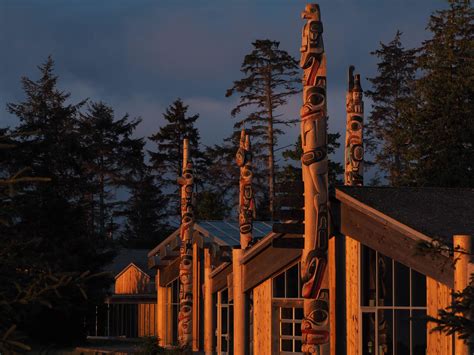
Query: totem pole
x: 314, y: 259
x: 186, y: 181
x: 246, y: 200
x: 354, y: 152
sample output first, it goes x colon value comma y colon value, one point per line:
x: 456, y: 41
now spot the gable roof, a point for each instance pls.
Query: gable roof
x: 127, y: 256
x: 434, y: 212
x: 143, y: 271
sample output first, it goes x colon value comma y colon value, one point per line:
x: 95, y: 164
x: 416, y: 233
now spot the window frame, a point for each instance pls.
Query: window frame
x: 376, y: 308
x: 230, y: 326
x: 170, y: 322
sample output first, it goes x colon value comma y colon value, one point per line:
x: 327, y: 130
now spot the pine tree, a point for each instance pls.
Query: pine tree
x: 167, y: 159
x: 113, y: 158
x: 270, y: 77
x: 443, y: 136
x: 387, y: 131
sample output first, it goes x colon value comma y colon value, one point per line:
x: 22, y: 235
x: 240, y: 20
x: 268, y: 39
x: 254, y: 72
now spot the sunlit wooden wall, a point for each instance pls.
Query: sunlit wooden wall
x: 132, y: 281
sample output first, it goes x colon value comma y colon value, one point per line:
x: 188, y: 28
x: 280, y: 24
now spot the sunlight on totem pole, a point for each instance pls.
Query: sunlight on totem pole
x: 315, y: 325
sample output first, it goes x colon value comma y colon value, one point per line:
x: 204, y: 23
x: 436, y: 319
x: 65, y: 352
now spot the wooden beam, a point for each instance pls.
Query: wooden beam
x: 154, y: 262
x: 267, y: 263
x: 169, y: 273
x: 395, y: 244
x: 288, y: 243
x: 462, y: 252
x: 288, y: 228
x: 169, y: 253
x: 438, y: 296
x: 219, y: 280
x: 208, y: 307
x: 240, y: 307
x: 294, y: 201
x: 290, y: 215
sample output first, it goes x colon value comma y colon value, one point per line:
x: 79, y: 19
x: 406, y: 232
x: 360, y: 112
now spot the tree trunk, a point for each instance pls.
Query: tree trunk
x: 271, y: 159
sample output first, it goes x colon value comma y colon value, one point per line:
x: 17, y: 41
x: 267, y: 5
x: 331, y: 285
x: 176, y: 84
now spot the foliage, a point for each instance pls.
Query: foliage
x: 167, y: 159
x: 386, y: 133
x: 270, y: 78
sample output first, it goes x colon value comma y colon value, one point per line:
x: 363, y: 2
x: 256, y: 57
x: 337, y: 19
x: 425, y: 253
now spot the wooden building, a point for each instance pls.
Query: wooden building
x: 383, y: 279
x: 130, y: 309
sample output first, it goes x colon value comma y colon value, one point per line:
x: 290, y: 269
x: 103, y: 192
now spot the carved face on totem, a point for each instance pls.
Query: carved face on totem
x: 312, y: 41
x: 314, y: 326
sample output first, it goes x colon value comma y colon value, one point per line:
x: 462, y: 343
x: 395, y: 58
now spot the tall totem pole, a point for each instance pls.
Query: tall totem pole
x: 314, y: 259
x: 185, y: 320
x: 354, y: 149
x: 246, y: 199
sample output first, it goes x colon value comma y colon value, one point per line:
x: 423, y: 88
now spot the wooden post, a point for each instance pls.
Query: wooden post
x: 185, y: 318
x: 462, y: 251
x: 438, y: 296
x: 208, y: 308
x: 353, y: 176
x: 315, y: 325
x: 246, y: 199
x: 239, y: 304
x: 161, y: 311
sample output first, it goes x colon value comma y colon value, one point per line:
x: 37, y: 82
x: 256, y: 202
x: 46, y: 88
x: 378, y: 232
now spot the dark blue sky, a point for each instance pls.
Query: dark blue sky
x: 139, y: 55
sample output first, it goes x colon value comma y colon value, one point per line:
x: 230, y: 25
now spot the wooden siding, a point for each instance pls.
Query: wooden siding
x: 161, y: 309
x: 146, y: 319
x: 132, y: 281
x: 437, y: 296
x: 262, y: 318
x: 352, y: 296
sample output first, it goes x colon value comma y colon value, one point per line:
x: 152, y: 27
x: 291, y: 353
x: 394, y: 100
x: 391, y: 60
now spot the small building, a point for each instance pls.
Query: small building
x: 384, y: 278
x: 130, y: 310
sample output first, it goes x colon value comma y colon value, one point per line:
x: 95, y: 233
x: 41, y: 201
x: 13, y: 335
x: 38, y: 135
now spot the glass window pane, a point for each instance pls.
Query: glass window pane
x: 286, y: 328
x: 292, y: 282
x: 299, y: 314
x: 368, y: 276
x: 224, y: 344
x: 279, y: 286
x: 402, y: 285
x: 385, y: 280
x: 402, y: 331
x: 368, y: 333
x: 418, y: 289
x: 224, y: 297
x: 286, y: 345
x: 224, y: 320
x: 286, y: 313
x: 418, y: 332
x: 298, y: 345
x: 298, y: 329
x: 385, y: 332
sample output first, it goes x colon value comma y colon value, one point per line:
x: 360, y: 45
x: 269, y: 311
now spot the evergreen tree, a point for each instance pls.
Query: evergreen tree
x: 113, y: 158
x: 167, y: 159
x: 145, y: 213
x: 51, y: 229
x: 443, y: 129
x: 270, y: 77
x: 387, y: 131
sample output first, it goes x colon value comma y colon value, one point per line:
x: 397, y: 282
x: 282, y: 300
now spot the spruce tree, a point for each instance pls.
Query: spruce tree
x: 387, y: 131
x: 443, y: 133
x: 51, y: 218
x: 271, y: 75
x: 113, y: 157
x: 166, y: 161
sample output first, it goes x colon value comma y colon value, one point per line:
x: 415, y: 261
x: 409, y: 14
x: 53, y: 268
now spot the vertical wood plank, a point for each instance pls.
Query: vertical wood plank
x: 332, y: 295
x: 462, y: 247
x: 239, y: 303
x: 262, y: 322
x: 161, y: 308
x: 196, y: 296
x: 437, y: 296
x: 208, y: 309
x: 352, y: 296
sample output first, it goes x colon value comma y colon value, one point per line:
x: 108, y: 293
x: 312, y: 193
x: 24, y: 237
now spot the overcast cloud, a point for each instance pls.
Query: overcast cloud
x: 139, y: 56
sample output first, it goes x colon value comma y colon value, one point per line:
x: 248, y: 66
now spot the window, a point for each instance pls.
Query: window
x: 288, y: 310
x: 225, y: 323
x: 288, y: 284
x: 393, y: 306
x: 173, y: 311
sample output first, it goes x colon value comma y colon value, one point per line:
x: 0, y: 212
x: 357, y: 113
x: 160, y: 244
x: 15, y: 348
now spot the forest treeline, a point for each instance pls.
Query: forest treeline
x: 77, y: 182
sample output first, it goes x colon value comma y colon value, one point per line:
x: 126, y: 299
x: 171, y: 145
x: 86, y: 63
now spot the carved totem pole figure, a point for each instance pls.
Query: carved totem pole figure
x: 315, y: 291
x: 354, y: 156
x: 186, y: 181
x: 246, y: 199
